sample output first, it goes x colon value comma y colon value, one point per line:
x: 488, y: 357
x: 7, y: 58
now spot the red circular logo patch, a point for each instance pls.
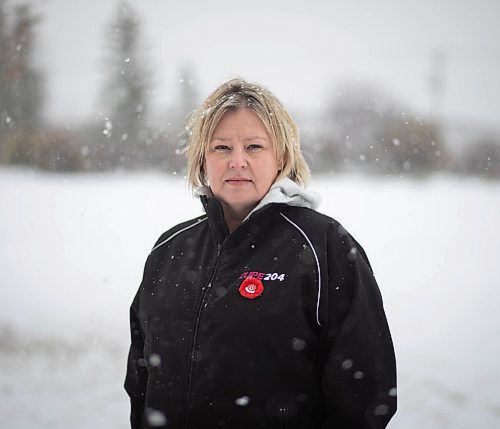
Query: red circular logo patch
x: 251, y: 288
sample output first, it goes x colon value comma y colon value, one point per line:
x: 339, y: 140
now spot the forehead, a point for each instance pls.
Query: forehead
x: 240, y: 121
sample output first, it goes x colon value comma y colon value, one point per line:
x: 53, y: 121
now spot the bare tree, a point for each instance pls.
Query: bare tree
x: 377, y: 135
x: 482, y: 158
x: 357, y: 116
x: 184, y: 104
x: 188, y: 92
x: 411, y: 146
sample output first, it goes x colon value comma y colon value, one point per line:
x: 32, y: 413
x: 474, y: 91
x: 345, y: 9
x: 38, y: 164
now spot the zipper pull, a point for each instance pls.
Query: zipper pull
x: 219, y: 249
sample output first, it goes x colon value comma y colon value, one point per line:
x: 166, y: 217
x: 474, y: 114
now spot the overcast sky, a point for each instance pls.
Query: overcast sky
x: 301, y: 50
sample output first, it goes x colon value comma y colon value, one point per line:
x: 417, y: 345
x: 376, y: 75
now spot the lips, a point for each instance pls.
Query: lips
x: 238, y: 181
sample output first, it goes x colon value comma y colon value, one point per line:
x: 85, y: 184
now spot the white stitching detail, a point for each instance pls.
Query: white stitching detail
x: 317, y: 264
x: 177, y: 233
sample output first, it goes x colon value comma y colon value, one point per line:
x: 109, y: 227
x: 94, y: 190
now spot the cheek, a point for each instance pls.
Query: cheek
x: 212, y: 171
x: 272, y: 167
x: 268, y: 174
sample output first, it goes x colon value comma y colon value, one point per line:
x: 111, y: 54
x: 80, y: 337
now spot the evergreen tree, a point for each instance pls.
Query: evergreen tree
x: 24, y: 81
x: 4, y: 115
x: 125, y: 93
x: 20, y: 86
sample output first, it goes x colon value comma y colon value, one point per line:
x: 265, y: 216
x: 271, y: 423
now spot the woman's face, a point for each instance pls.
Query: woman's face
x: 240, y: 161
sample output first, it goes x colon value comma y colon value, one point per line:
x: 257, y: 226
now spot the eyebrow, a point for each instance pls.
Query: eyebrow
x: 255, y: 138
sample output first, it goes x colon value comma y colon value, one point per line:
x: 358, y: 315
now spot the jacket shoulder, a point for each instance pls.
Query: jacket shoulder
x: 319, y: 225
x: 311, y: 219
x: 177, y: 230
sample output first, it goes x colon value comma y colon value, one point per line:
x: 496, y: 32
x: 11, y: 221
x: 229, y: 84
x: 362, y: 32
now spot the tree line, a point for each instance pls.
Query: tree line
x: 361, y: 129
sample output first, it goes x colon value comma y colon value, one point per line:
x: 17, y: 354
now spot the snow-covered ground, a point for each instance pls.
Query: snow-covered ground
x: 72, y: 249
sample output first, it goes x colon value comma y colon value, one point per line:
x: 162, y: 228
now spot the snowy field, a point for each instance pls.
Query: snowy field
x: 72, y: 249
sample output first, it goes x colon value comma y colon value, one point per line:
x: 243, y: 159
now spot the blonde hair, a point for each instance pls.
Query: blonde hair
x: 238, y: 94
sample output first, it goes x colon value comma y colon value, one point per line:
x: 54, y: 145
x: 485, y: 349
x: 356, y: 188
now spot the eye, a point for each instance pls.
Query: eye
x: 221, y: 148
x: 254, y: 147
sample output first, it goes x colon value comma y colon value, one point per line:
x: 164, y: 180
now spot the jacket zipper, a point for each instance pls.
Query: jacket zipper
x: 282, y: 412
x: 195, y: 332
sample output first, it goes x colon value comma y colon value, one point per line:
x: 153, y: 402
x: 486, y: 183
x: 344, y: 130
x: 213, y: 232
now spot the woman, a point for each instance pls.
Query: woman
x: 263, y: 312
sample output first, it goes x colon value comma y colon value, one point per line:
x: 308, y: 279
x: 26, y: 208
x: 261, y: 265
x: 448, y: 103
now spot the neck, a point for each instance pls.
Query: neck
x: 233, y: 217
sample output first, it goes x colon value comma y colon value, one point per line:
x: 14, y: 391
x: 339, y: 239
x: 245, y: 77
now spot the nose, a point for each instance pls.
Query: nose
x: 238, y: 159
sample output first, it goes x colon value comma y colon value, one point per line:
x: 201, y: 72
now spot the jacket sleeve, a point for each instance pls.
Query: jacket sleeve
x: 358, y: 363
x: 137, y: 374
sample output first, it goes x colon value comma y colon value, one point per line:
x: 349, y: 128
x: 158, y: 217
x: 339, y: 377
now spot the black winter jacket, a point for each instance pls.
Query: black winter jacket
x: 312, y: 351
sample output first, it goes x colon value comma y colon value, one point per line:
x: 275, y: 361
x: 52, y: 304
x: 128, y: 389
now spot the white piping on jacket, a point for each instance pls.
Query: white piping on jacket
x: 317, y: 264
x: 196, y: 222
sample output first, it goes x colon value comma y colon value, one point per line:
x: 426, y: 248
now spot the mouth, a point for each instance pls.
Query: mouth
x: 238, y: 181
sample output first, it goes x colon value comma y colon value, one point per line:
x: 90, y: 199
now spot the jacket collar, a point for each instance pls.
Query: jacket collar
x: 215, y: 215
x: 286, y: 191
x: 283, y: 191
